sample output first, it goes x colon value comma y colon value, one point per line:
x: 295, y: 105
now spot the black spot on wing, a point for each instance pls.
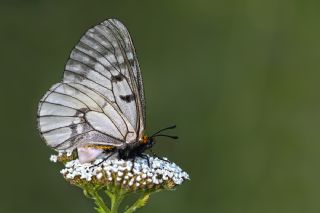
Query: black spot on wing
x: 117, y: 78
x: 127, y: 98
x: 73, y: 129
x: 104, y: 104
x: 81, y: 111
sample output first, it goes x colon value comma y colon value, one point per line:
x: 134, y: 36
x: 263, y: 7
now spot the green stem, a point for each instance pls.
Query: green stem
x: 139, y: 203
x: 115, y: 202
x: 101, y: 206
x: 116, y: 196
x: 100, y: 203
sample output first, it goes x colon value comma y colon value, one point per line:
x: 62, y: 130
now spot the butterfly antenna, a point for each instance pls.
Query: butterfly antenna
x: 168, y: 136
x: 161, y: 130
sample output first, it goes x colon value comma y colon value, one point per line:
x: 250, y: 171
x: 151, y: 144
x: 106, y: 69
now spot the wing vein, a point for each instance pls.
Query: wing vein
x: 75, y: 73
x: 112, y: 120
x: 93, y: 58
x: 61, y: 127
x: 115, y: 107
x: 69, y: 139
x: 64, y: 94
x: 107, y: 39
x: 91, y: 68
x: 79, y: 110
x: 101, y: 45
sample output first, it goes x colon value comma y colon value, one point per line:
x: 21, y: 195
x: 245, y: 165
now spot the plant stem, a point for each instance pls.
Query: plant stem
x: 116, y: 196
x: 115, y: 202
x: 100, y: 203
x: 101, y: 206
x: 139, y: 203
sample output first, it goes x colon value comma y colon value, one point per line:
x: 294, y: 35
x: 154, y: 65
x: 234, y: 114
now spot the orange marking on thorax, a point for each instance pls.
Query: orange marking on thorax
x: 144, y: 139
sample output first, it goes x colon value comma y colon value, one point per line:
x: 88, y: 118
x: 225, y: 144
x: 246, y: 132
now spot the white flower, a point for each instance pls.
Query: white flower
x: 54, y: 158
x: 129, y: 175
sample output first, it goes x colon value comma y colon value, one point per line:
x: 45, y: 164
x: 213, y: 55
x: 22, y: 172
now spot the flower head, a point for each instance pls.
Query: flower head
x: 128, y: 175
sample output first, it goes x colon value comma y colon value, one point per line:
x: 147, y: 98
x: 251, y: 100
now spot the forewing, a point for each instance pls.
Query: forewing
x: 105, y: 62
x: 72, y: 114
x: 127, y: 44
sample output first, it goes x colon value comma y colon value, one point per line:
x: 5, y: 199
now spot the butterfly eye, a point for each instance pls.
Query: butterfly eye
x: 150, y: 141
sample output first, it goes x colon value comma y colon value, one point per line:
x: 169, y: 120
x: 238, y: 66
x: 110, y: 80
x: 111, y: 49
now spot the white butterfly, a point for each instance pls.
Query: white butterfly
x: 99, y: 105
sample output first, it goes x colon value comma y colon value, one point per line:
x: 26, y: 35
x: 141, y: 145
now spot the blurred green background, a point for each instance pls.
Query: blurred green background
x: 239, y: 78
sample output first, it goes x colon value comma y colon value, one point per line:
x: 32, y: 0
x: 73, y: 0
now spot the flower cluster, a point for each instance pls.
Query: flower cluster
x: 128, y: 175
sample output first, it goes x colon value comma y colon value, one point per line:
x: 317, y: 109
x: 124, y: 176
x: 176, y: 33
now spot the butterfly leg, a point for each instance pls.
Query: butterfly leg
x: 105, y: 159
x: 155, y: 155
x: 133, y: 162
x: 146, y: 157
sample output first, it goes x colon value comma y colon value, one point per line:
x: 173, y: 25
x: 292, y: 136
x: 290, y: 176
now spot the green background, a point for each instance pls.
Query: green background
x: 239, y: 78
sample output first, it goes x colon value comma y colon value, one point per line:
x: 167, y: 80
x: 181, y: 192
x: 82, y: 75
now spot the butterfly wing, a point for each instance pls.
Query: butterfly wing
x: 134, y: 65
x: 101, y: 98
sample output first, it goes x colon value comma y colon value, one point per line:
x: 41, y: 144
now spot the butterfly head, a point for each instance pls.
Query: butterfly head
x: 147, y: 141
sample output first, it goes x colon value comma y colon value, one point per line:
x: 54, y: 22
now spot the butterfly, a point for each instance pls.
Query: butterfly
x: 99, y: 106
